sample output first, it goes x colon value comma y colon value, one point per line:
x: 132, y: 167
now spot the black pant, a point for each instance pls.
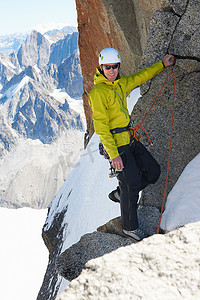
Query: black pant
x: 140, y: 169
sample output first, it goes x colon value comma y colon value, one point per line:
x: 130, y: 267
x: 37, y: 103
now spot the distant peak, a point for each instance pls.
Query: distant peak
x: 43, y: 28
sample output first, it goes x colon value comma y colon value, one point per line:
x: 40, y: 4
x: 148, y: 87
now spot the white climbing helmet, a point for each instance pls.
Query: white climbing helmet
x: 109, y: 56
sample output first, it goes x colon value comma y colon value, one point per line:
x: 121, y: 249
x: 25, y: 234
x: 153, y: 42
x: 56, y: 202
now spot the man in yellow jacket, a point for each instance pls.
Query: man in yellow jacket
x: 111, y: 118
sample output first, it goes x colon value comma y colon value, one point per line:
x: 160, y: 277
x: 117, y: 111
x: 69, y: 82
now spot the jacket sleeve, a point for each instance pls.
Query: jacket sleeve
x: 101, y: 122
x: 142, y: 76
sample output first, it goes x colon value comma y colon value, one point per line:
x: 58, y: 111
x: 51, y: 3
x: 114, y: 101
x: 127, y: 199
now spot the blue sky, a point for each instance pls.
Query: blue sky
x: 22, y: 15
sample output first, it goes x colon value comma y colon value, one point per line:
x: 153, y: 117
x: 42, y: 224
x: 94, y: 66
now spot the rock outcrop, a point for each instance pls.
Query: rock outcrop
x: 92, y: 245
x: 106, y: 239
x: 160, y: 267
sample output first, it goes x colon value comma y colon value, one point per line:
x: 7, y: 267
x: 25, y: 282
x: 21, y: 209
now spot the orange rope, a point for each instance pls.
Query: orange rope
x: 137, y: 137
x: 170, y: 144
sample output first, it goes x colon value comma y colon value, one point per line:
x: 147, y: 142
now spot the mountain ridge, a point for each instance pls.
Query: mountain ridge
x: 10, y: 43
x: 36, y: 105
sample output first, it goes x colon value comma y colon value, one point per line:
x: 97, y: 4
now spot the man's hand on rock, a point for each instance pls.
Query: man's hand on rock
x: 168, y: 60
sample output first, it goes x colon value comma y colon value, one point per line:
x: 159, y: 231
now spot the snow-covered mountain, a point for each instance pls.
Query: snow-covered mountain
x: 38, y: 51
x: 41, y: 130
x: 38, y: 110
x: 9, y: 66
x: 54, y: 28
x: 11, y: 42
x: 26, y: 102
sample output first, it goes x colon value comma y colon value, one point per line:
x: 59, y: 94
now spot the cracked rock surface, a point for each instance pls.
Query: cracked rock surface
x: 174, y: 31
x: 185, y: 40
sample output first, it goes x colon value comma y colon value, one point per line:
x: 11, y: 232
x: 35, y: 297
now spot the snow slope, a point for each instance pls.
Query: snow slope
x: 183, y: 202
x: 23, y: 255
x: 89, y: 206
x: 85, y: 192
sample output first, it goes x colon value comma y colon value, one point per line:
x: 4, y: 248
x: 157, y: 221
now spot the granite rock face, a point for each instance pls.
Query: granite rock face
x: 119, y: 24
x: 174, y: 28
x: 167, y: 34
x: 49, y: 288
x: 185, y: 40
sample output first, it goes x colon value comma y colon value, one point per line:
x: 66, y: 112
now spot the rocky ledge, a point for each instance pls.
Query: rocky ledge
x: 160, y: 267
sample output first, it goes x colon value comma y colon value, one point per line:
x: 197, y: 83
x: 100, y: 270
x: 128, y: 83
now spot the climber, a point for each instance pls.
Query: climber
x: 135, y: 165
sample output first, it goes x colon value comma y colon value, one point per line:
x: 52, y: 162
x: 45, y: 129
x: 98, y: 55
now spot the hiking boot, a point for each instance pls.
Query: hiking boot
x: 136, y: 234
x: 115, y: 196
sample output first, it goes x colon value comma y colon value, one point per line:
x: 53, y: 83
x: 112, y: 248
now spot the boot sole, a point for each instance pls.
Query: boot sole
x: 130, y: 237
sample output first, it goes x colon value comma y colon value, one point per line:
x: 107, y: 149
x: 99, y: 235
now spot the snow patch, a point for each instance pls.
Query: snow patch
x: 16, y: 87
x: 23, y: 255
x: 183, y: 202
x: 8, y: 64
x: 76, y: 104
x: 37, y: 69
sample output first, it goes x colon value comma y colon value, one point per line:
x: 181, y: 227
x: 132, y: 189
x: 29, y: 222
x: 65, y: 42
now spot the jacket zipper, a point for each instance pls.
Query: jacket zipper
x: 121, y: 102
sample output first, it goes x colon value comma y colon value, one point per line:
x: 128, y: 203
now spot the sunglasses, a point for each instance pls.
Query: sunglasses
x: 108, y: 67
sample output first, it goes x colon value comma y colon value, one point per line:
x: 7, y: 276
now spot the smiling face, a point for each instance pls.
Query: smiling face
x: 112, y: 73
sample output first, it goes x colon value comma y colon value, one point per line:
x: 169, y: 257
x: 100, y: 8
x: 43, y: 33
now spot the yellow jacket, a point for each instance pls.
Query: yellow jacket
x: 108, y: 102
